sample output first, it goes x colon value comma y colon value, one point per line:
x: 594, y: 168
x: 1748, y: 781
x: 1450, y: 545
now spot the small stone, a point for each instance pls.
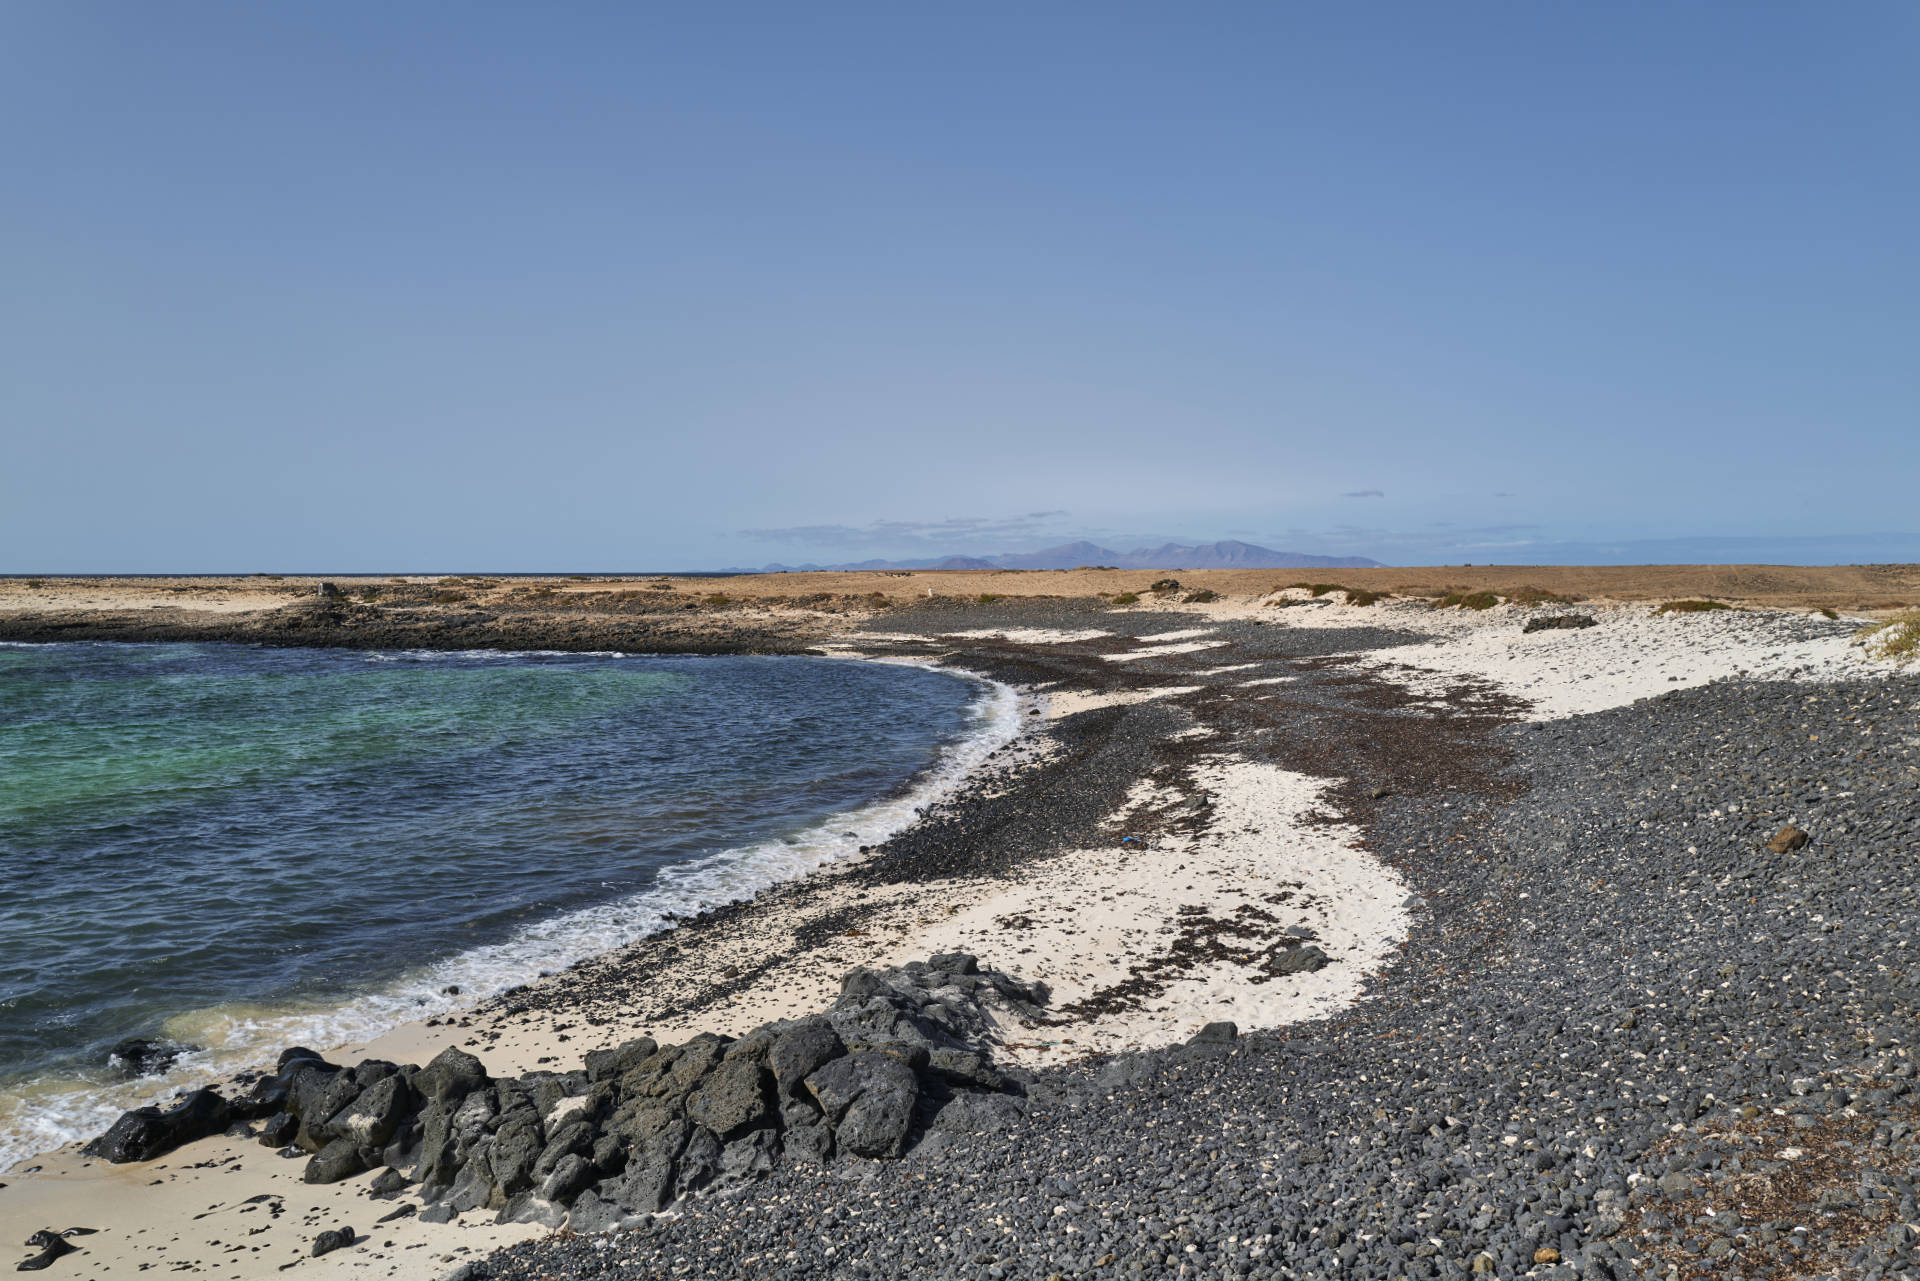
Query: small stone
x: 332, y: 1239
x: 1788, y: 839
x: 388, y: 1183
x: 1299, y: 960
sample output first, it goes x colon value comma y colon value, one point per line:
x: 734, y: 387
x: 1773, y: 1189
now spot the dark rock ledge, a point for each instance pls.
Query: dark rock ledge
x: 900, y: 1053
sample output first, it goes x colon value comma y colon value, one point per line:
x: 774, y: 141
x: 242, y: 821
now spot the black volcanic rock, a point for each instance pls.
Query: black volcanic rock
x: 641, y: 1126
x: 1559, y: 623
x: 146, y: 1133
x: 144, y: 1055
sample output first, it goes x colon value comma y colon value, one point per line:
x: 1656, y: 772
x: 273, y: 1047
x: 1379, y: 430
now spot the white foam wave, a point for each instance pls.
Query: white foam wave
x: 490, y: 655
x: 50, y: 1113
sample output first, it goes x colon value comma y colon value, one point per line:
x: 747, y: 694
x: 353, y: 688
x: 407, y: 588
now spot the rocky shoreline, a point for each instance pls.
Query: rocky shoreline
x: 1630, y: 1040
x: 420, y: 617
x: 1500, y: 1095
x: 900, y: 1054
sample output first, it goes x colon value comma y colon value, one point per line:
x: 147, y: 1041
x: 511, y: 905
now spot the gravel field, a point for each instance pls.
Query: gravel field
x: 1626, y: 1039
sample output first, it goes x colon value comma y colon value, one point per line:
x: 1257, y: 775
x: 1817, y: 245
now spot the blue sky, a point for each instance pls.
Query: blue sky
x: 446, y: 286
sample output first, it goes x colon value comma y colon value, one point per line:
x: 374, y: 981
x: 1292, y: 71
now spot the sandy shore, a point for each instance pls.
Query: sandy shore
x: 1186, y: 806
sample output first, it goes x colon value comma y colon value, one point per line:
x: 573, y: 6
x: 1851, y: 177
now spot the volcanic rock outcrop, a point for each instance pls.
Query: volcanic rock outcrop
x: 901, y: 1052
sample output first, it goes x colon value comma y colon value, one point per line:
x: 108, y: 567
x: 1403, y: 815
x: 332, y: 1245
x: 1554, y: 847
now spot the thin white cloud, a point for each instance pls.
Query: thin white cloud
x: 975, y: 530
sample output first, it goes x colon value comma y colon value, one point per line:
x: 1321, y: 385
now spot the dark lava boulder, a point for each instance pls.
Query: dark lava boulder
x: 734, y: 1098
x: 340, y: 1159
x: 870, y: 1098
x: 611, y: 1065
x: 452, y: 1075
x: 801, y: 1050
x: 149, y: 1132
x: 144, y: 1055
x: 1299, y: 960
x: 279, y: 1130
x: 332, y: 1239
x: 371, y: 1119
x: 1559, y: 623
x: 514, y: 1151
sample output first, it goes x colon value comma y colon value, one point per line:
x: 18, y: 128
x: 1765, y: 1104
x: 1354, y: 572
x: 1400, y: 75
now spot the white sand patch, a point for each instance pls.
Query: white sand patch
x: 1069, y: 702
x: 1033, y: 635
x: 1237, y: 667
x: 204, y: 602
x: 1631, y: 653
x: 1271, y: 680
x: 1082, y: 921
x: 191, y: 1207
x: 1186, y: 634
x: 1161, y: 651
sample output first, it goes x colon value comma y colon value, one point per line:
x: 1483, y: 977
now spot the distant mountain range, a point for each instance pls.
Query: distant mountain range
x: 1223, y: 555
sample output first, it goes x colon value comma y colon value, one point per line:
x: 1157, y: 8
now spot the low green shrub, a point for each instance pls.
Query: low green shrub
x: 1202, y: 596
x: 1537, y: 596
x: 719, y: 598
x: 1467, y: 600
x: 1126, y: 598
x: 987, y: 598
x: 1897, y: 640
x: 36, y: 583
x: 1164, y: 585
x: 1692, y: 606
x: 448, y: 598
x: 1361, y: 596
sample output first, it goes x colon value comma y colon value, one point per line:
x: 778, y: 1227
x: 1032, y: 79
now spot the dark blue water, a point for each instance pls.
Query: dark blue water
x: 203, y: 839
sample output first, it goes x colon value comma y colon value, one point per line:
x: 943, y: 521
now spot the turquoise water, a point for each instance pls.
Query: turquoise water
x: 194, y: 828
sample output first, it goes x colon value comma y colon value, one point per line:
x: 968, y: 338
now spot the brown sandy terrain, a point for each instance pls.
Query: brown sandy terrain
x: 795, y: 610
x: 1849, y: 587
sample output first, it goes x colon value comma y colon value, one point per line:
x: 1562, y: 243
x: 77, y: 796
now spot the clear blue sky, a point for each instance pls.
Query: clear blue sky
x: 455, y: 285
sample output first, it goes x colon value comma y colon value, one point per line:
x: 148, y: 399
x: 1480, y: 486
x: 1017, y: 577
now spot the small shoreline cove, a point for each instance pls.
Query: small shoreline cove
x: 1272, y: 937
x: 70, y: 1093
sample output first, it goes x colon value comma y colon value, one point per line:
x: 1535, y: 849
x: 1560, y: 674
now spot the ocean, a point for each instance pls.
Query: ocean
x: 239, y: 848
